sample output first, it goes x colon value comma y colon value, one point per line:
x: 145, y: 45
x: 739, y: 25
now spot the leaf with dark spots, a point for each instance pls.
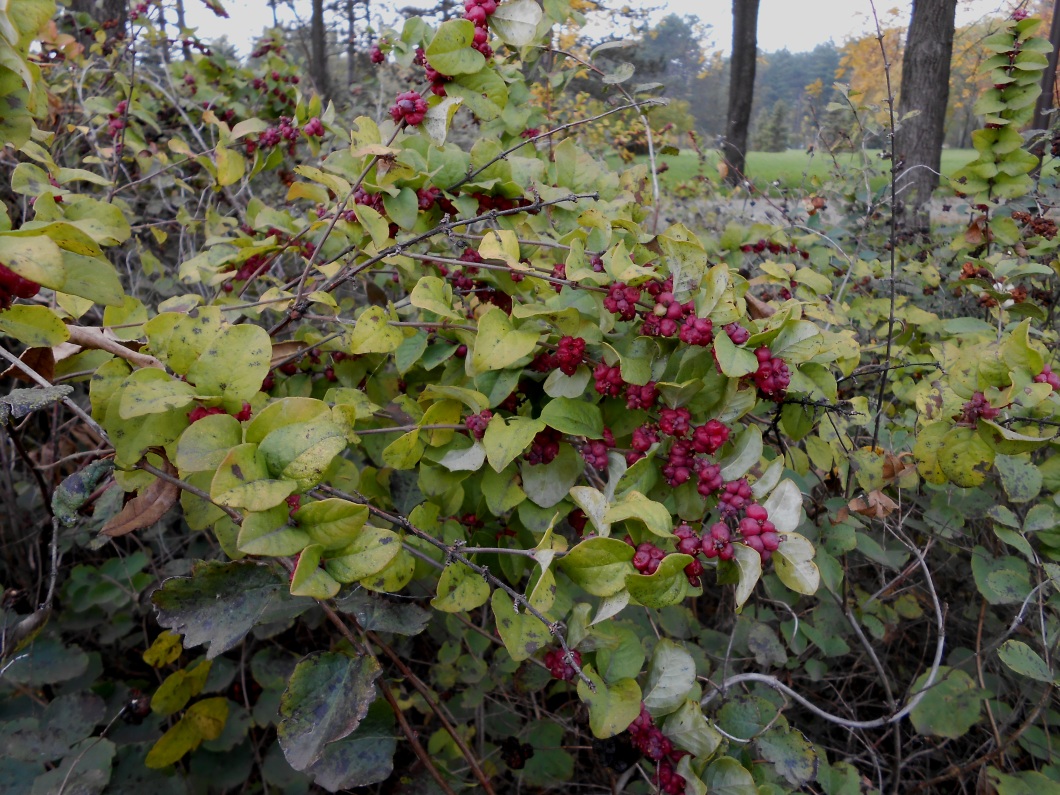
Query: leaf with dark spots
x: 327, y: 696
x: 219, y: 603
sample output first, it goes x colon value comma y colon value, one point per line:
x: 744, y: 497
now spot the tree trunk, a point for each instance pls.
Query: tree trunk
x: 112, y: 15
x: 1046, y: 101
x: 741, y: 87
x: 351, y: 43
x: 925, y: 90
x: 318, y: 46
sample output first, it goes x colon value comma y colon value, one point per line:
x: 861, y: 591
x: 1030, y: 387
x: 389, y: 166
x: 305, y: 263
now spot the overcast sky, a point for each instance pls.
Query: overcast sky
x: 797, y: 25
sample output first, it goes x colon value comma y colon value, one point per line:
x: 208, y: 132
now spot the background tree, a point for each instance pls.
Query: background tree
x: 925, y: 92
x: 318, y: 51
x: 774, y: 132
x: 741, y: 86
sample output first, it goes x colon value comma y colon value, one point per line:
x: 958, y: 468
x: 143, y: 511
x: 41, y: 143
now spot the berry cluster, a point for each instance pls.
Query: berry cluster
x: 314, y: 128
x: 607, y: 380
x: 14, y: 286
x: 622, y: 300
x: 641, y: 397
x: 560, y: 667
x: 476, y: 423
x: 761, y: 245
x: 569, y: 354
x: 479, y: 12
x: 116, y: 120
x: 647, y: 557
x: 595, y: 451
x: 665, y: 318
x: 544, y: 448
x: 409, y: 108
x: 976, y: 409
x: 376, y: 54
x: 1047, y: 376
x: 516, y: 754
x: 199, y: 412
x: 772, y: 376
x: 650, y: 741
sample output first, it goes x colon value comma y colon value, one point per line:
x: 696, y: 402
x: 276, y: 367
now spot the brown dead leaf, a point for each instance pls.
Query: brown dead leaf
x: 282, y: 351
x: 758, y: 308
x: 39, y: 360
x: 878, y: 505
x: 146, y: 508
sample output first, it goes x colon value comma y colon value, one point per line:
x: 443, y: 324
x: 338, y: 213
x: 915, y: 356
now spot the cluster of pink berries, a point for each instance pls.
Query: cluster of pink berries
x: 607, y: 380
x: 666, y: 316
x: 199, y: 412
x: 116, y: 120
x: 641, y: 397
x: 772, y: 376
x: 560, y: 667
x: 476, y: 423
x: 409, y: 108
x: 479, y: 12
x: 544, y: 448
x: 594, y: 451
x: 1047, y: 376
x: 570, y: 353
x: 976, y: 409
x: 650, y: 741
x: 761, y: 245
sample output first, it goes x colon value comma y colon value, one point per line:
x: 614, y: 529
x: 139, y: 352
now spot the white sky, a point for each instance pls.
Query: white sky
x: 798, y: 25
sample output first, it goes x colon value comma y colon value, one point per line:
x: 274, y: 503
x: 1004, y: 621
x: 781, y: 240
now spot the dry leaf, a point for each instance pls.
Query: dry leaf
x: 758, y: 308
x: 878, y: 505
x: 146, y: 508
x: 282, y: 351
x: 40, y: 360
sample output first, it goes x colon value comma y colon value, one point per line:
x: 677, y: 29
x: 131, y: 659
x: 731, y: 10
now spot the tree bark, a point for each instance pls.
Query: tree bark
x: 1046, y: 101
x: 113, y: 15
x: 318, y: 47
x: 741, y: 87
x: 925, y: 90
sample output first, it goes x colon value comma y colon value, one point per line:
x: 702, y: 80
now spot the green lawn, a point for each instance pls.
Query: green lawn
x: 793, y: 168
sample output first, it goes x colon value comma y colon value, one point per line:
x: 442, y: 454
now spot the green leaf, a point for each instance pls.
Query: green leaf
x: 548, y: 484
x: 230, y: 166
x: 574, y: 417
x: 498, y: 344
x: 179, y: 687
x: 784, y: 506
x: 524, y: 634
x: 690, y: 730
x: 516, y: 22
x: 460, y: 589
x: 303, y: 451
x: 667, y: 586
x: 434, y: 295
x: 363, y: 757
x: 1001, y: 581
x: 204, y: 445
x: 950, y: 707
x: 793, y: 563
x: 450, y: 50
x: 373, y: 332
x: 734, y: 362
x: 671, y: 676
x: 35, y: 326
x: 790, y: 753
x: 308, y: 579
x: 1000, y: 439
x: 745, y: 455
x: 219, y: 603
x: 235, y: 363
x: 394, y: 576
x: 327, y: 697
x: 612, y: 707
x: 34, y: 257
x: 507, y: 438
x: 332, y: 523
x: 634, y: 505
x: 152, y: 391
x: 92, y: 278
x: 749, y: 565
x: 270, y: 534
x: 965, y: 458
x: 204, y: 720
x: 1024, y: 660
x: 726, y: 776
x: 599, y: 565
x: 1020, y: 477
x: 242, y: 481
x: 373, y: 550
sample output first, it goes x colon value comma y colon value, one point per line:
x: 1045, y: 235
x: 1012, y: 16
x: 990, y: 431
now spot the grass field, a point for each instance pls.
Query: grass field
x: 793, y: 168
